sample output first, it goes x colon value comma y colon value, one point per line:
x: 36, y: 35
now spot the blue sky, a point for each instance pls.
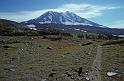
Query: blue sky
x: 106, y: 12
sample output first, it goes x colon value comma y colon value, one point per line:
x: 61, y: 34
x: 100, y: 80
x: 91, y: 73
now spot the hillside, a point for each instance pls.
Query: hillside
x: 8, y: 27
x: 82, y: 29
x: 11, y: 28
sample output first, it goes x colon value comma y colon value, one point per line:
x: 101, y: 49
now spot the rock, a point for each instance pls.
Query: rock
x: 80, y: 71
x: 68, y: 74
x: 111, y: 74
x: 9, y: 69
x: 53, y: 70
x: 49, y: 48
x: 87, y: 71
x: 6, y: 54
x: 87, y: 78
x: 32, y: 38
x: 2, y: 42
x: 52, y: 74
x: 44, y: 37
x: 39, y: 45
x: 43, y: 80
x: 7, y: 46
x: 12, y: 59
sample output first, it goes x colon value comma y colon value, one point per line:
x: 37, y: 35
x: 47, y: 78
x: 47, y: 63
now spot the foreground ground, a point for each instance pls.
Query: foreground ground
x: 38, y: 59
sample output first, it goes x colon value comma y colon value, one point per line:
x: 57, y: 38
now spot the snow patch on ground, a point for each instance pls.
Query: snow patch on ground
x: 76, y: 29
x: 83, y: 31
x: 120, y: 35
x: 102, y: 26
x: 31, y: 25
x: 33, y: 28
x: 41, y: 22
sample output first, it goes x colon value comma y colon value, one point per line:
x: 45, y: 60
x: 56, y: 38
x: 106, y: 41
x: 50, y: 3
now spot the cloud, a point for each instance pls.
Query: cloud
x: 84, y: 10
x: 21, y: 16
x: 117, y: 24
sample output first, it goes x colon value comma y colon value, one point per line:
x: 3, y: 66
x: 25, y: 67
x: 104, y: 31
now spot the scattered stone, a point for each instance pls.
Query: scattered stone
x: 68, y: 53
x: 92, y: 78
x: 9, y: 69
x: 53, y: 70
x: 82, y: 57
x: 31, y: 68
x: 87, y: 71
x: 80, y: 78
x: 80, y: 71
x: 43, y: 79
x: 87, y: 78
x: 68, y: 74
x: 6, y: 46
x: 111, y: 74
x: 39, y: 46
x: 94, y: 40
x: 74, y: 70
x: 2, y: 41
x: 86, y: 44
x: 63, y: 56
x: 52, y: 74
x: 6, y: 54
x: 44, y: 37
x: 13, y: 59
x: 32, y: 38
x: 49, y: 48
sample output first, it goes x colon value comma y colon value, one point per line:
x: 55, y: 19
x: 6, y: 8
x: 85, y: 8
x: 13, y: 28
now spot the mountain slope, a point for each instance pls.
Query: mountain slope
x: 65, y: 18
x: 70, y: 22
x: 78, y: 29
x: 11, y: 28
x: 7, y: 26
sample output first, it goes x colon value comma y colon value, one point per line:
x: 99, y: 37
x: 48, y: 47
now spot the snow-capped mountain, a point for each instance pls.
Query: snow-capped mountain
x: 62, y: 21
x: 69, y: 22
x: 65, y: 18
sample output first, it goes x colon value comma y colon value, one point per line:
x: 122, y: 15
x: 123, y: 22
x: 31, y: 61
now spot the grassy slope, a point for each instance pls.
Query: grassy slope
x: 113, y: 57
x: 33, y: 61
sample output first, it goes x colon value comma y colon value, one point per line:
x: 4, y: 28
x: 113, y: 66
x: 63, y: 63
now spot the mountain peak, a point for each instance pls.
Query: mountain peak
x: 50, y: 12
x: 65, y: 18
x: 68, y: 12
x: 58, y: 12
